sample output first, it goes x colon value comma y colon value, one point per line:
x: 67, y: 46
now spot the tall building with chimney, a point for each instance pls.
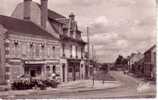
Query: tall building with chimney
x: 36, y: 42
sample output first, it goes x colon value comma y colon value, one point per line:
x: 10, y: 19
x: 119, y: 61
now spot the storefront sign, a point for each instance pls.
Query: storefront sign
x: 34, y: 62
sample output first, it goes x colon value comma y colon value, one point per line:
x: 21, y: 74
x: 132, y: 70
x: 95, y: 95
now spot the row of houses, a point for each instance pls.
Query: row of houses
x: 36, y: 41
x: 143, y: 64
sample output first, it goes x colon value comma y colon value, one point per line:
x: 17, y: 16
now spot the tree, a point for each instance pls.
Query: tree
x: 119, y: 60
x: 125, y: 61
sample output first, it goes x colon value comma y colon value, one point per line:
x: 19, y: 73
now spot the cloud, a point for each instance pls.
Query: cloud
x: 86, y: 2
x: 122, y: 43
x: 116, y: 26
x: 103, y: 38
x: 123, y: 2
x: 101, y: 20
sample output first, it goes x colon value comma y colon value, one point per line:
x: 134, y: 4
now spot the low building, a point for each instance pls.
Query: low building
x: 38, y: 42
x: 133, y: 59
x: 150, y: 63
x: 139, y: 68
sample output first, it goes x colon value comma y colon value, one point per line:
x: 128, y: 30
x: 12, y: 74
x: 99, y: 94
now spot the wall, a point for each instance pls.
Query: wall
x: 20, y: 49
x: 51, y: 49
x: 71, y: 52
x: 2, y: 55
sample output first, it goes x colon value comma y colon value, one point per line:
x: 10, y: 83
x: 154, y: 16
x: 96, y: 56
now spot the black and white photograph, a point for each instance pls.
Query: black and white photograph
x: 78, y: 49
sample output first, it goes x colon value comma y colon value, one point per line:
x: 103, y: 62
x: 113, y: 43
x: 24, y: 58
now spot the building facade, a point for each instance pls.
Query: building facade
x: 2, y: 57
x: 150, y: 63
x: 144, y: 65
x: 39, y: 42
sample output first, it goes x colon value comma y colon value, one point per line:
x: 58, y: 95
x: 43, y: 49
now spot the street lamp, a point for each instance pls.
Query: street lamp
x: 92, y: 67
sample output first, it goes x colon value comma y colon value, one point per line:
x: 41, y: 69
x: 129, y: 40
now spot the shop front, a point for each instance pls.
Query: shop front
x: 73, y: 70
x: 33, y: 70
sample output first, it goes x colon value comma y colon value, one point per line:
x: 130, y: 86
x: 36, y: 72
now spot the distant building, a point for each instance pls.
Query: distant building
x: 133, y: 59
x: 150, y: 63
x: 39, y: 42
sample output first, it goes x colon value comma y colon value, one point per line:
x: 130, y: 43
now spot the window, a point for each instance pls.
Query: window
x: 53, y: 48
x: 31, y: 45
x: 7, y: 69
x: 42, y: 45
x: 42, y: 50
x: 54, y: 69
x: 16, y: 43
x: 48, y: 68
x: 70, y: 69
x: 16, y: 48
x: 81, y: 65
x: 6, y: 77
x: 81, y: 52
x: 76, y: 52
x: 31, y: 49
x: 71, y: 51
x: 37, y: 50
x: 48, y: 51
x: 63, y: 48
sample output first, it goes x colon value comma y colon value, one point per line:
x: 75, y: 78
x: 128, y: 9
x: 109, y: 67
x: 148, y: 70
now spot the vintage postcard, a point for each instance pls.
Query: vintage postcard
x: 78, y: 49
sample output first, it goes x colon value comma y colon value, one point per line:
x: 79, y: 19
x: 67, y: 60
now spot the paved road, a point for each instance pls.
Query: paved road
x: 126, y: 90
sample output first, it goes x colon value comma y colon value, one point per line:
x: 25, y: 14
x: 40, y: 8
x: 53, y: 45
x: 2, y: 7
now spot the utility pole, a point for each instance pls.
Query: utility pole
x: 93, y: 62
x: 88, y: 49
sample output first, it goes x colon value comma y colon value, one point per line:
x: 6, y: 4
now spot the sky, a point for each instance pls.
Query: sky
x: 115, y: 26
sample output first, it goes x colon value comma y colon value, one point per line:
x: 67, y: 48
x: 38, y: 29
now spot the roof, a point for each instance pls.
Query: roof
x: 54, y: 15
x: 23, y: 26
x: 150, y: 48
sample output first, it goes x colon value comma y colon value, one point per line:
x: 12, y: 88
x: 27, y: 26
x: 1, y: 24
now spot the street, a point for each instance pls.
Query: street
x: 128, y: 89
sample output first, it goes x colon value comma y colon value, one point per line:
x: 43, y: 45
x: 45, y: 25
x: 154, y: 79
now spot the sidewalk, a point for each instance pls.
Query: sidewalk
x: 76, y: 86
x: 88, y: 84
x: 143, y: 86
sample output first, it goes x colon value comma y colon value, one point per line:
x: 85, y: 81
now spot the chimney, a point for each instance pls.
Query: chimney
x: 44, y: 13
x: 27, y: 9
x: 72, y: 24
x: 72, y: 16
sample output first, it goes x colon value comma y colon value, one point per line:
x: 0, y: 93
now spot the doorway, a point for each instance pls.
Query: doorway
x: 33, y: 73
x: 33, y: 70
x: 74, y: 73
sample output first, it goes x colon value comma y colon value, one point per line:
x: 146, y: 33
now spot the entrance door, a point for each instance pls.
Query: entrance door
x: 33, y: 73
x: 63, y: 71
x: 86, y: 71
x: 74, y: 73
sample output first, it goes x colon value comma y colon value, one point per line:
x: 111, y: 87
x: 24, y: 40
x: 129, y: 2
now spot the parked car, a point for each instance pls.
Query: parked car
x: 24, y: 83
x: 55, y: 77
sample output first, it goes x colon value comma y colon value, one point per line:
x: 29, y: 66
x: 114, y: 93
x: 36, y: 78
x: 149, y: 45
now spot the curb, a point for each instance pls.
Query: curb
x: 59, y: 91
x: 80, y: 90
